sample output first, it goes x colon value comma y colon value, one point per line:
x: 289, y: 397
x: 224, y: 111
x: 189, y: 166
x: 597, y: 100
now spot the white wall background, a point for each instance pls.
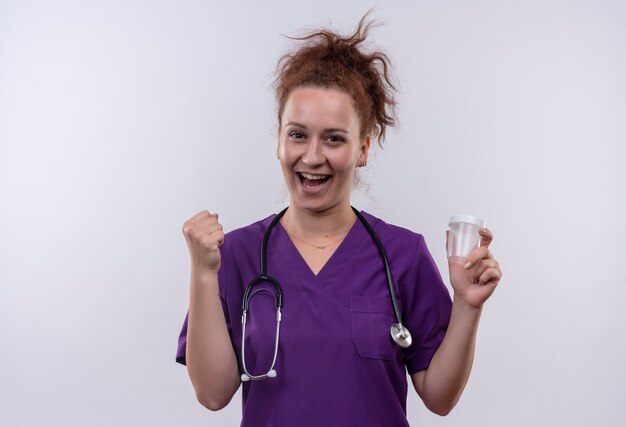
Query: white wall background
x: 119, y: 120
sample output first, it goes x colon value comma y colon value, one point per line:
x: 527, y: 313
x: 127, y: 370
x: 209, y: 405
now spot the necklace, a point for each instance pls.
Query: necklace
x: 319, y: 246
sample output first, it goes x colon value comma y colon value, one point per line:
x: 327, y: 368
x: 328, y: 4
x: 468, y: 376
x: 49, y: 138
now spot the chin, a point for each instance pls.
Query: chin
x: 313, y: 206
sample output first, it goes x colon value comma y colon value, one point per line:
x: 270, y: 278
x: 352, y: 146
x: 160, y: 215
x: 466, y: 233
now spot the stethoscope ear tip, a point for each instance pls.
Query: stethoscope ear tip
x: 271, y: 373
x: 245, y: 377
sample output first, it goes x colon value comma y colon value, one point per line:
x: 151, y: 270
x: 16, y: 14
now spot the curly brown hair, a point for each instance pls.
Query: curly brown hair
x: 329, y: 60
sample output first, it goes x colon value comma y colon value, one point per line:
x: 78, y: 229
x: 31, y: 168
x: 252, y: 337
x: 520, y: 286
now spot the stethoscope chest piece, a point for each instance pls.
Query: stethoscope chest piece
x: 401, y: 335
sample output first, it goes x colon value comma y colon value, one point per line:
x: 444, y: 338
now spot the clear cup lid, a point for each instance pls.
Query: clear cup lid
x: 468, y: 219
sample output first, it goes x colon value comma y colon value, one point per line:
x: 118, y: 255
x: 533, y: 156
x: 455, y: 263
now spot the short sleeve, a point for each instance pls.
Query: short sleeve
x: 181, y: 352
x: 427, y: 308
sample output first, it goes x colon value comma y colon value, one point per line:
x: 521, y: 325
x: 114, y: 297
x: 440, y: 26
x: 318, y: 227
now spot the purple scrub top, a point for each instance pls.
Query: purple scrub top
x: 337, y: 364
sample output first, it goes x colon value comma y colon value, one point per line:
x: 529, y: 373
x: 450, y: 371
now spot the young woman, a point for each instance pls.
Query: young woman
x: 335, y: 362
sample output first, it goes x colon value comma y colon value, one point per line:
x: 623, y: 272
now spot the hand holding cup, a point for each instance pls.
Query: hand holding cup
x: 474, y: 272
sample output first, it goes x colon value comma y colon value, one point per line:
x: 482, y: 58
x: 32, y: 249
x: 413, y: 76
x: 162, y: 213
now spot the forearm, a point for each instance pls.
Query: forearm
x: 448, y: 372
x: 211, y: 360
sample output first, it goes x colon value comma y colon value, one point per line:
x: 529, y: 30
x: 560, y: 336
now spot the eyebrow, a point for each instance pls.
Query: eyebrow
x: 300, y: 125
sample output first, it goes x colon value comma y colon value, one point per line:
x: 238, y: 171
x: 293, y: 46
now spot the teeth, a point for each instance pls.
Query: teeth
x: 309, y: 176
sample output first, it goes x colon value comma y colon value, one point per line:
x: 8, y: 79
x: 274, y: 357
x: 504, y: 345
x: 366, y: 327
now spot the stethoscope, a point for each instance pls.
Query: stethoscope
x: 399, y: 333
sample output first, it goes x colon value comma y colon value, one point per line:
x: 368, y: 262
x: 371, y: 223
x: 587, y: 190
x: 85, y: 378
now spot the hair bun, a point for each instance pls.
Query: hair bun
x: 327, y: 59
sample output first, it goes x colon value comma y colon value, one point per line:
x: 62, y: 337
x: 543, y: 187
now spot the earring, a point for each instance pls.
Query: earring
x: 362, y: 164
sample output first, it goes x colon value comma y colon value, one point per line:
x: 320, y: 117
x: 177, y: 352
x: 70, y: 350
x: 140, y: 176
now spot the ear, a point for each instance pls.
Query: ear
x: 364, y: 149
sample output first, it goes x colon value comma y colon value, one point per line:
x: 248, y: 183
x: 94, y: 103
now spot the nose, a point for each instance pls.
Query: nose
x: 314, y: 154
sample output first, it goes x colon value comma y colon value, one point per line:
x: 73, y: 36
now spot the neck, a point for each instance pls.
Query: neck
x: 333, y: 222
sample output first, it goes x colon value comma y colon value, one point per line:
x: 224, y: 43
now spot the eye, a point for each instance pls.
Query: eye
x: 296, y: 135
x: 335, y: 139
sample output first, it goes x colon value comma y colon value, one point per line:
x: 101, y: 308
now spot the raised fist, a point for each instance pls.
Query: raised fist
x: 204, y: 235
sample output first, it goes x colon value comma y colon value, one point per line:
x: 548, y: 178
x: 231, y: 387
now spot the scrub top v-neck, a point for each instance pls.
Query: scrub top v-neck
x: 337, y: 364
x: 314, y: 284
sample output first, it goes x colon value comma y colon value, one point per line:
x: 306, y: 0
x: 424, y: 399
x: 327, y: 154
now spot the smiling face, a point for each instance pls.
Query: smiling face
x: 319, y: 147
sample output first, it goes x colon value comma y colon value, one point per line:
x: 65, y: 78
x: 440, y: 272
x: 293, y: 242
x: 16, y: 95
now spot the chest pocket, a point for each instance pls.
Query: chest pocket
x: 372, y: 318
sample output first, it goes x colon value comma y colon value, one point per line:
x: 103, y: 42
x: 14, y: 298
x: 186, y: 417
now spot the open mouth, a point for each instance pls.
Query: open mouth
x: 312, y: 181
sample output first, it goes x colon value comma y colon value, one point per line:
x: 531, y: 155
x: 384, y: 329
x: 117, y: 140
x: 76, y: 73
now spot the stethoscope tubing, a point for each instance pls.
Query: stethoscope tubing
x: 383, y: 255
x: 278, y: 302
x: 399, y: 333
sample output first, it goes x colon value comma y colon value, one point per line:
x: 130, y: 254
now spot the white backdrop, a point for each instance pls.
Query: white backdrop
x: 119, y: 120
